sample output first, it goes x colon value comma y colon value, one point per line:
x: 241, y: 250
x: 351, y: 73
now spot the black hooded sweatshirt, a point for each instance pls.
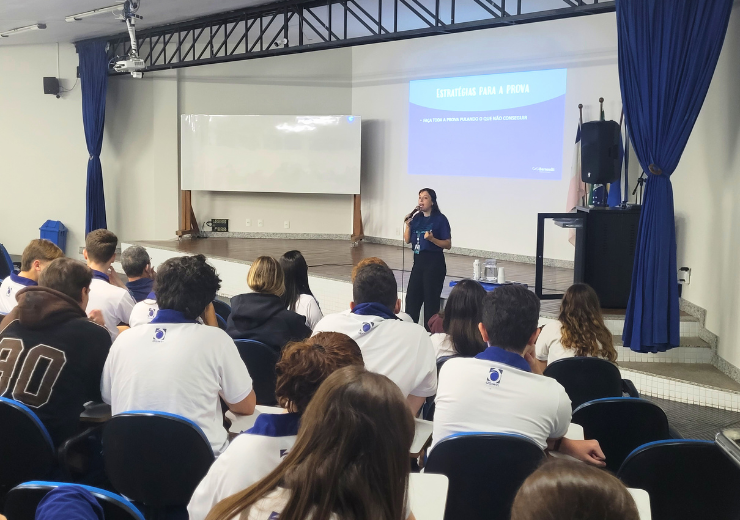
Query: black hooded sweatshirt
x: 54, y: 356
x: 264, y: 318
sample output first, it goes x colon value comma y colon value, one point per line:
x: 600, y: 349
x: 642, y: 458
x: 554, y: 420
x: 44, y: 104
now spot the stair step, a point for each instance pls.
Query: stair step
x: 691, y: 373
x: 695, y: 383
x: 685, y: 341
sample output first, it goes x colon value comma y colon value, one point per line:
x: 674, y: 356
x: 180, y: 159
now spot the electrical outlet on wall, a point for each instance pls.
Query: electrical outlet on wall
x: 249, y: 222
x: 260, y: 222
x: 684, y: 275
x: 286, y: 224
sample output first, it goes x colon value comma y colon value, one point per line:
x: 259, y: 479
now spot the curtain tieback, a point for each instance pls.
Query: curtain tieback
x: 655, y: 169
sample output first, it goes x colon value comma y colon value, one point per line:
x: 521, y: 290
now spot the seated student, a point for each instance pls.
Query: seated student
x: 461, y: 318
x: 107, y: 292
x: 36, y: 256
x: 145, y: 311
x: 256, y: 452
x: 138, y: 268
x: 176, y: 365
x: 49, y: 322
x: 397, y: 349
x: 350, y: 460
x: 375, y: 260
x: 261, y: 315
x: 298, y: 296
x: 496, y: 390
x: 69, y: 502
x: 564, y: 490
x: 579, y: 331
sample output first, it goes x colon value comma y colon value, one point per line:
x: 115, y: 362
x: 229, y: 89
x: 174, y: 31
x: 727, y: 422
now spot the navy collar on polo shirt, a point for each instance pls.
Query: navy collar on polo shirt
x: 171, y: 316
x: 276, y: 424
x: 151, y: 296
x: 100, y: 275
x: 374, y: 309
x: 22, y: 280
x: 504, y: 356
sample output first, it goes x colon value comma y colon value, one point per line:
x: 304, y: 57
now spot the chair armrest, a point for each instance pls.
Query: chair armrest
x: 71, y: 457
x: 629, y: 388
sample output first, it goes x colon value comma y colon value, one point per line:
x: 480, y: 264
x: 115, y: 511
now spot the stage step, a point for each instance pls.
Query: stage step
x: 693, y: 383
x: 691, y: 350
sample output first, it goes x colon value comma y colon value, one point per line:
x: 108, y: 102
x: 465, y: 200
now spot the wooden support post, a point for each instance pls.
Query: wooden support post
x: 358, y: 233
x: 188, y: 222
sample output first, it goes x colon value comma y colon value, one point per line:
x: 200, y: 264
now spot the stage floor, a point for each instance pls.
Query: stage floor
x: 334, y: 259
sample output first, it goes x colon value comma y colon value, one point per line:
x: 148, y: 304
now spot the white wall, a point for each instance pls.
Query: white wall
x: 43, y: 158
x: 707, y: 202
x: 493, y: 214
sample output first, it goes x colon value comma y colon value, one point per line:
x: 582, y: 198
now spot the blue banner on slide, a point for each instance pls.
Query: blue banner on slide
x: 498, y: 125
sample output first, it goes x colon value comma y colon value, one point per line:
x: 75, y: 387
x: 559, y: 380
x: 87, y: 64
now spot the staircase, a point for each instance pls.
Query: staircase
x: 685, y: 374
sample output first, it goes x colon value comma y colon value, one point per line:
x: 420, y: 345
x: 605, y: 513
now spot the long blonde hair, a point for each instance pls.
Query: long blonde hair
x: 351, y: 457
x: 583, y: 327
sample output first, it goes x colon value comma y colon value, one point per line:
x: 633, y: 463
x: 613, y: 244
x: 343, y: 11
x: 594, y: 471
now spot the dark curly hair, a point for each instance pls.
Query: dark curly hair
x: 304, y: 365
x: 583, y: 328
x: 186, y: 284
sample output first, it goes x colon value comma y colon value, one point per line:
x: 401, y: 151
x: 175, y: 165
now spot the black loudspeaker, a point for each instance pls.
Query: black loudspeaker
x: 51, y: 86
x: 605, y: 253
x: 600, y: 152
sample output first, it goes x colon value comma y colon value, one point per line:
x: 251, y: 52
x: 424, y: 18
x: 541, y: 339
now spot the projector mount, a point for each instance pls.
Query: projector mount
x: 131, y: 62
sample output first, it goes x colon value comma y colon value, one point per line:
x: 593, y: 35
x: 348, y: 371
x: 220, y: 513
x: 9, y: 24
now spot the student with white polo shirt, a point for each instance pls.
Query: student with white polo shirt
x: 250, y: 457
x: 36, y: 256
x: 145, y: 311
x: 397, y: 349
x: 496, y: 390
x: 107, y: 292
x: 176, y: 365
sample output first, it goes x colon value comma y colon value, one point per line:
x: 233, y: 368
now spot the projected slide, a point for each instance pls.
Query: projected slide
x: 498, y: 125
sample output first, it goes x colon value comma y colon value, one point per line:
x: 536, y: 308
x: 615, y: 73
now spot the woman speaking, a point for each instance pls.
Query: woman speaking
x: 428, y: 232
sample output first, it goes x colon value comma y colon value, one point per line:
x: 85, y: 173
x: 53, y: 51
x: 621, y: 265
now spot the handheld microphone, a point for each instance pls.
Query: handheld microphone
x: 413, y: 213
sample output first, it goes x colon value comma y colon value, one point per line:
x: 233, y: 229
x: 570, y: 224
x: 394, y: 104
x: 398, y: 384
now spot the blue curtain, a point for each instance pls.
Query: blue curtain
x: 668, y: 50
x: 94, y: 83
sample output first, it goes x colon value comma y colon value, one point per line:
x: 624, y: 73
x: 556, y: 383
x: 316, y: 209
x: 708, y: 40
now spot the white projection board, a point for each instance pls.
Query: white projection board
x: 283, y: 154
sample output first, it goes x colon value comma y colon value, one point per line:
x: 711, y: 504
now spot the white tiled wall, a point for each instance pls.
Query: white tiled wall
x: 665, y: 388
x: 675, y: 355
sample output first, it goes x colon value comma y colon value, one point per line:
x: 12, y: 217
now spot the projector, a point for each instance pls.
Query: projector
x: 129, y: 65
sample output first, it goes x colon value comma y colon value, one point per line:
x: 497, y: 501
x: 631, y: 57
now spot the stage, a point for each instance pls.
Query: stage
x: 331, y: 261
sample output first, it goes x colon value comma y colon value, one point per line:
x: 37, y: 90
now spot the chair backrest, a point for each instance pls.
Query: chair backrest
x: 221, y: 322
x: 26, y: 449
x: 620, y: 425
x: 686, y: 479
x: 428, y: 408
x: 6, y: 263
x: 485, y: 472
x: 586, y: 378
x: 155, y: 458
x: 22, y: 501
x: 260, y: 360
x: 223, y: 309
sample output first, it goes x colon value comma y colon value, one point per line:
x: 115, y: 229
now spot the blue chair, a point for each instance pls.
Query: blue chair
x: 686, y: 479
x: 620, y: 425
x: 485, y: 472
x: 260, y: 360
x: 6, y: 263
x: 223, y: 309
x: 589, y: 378
x: 427, y: 409
x: 23, y: 500
x: 155, y: 458
x: 221, y: 322
x: 26, y: 449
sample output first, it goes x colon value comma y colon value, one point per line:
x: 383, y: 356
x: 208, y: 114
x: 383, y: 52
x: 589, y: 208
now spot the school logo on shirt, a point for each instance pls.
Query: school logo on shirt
x: 152, y: 312
x: 283, y: 453
x: 273, y: 516
x: 366, y: 327
x: 9, y: 289
x: 494, y: 376
x: 159, y: 334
